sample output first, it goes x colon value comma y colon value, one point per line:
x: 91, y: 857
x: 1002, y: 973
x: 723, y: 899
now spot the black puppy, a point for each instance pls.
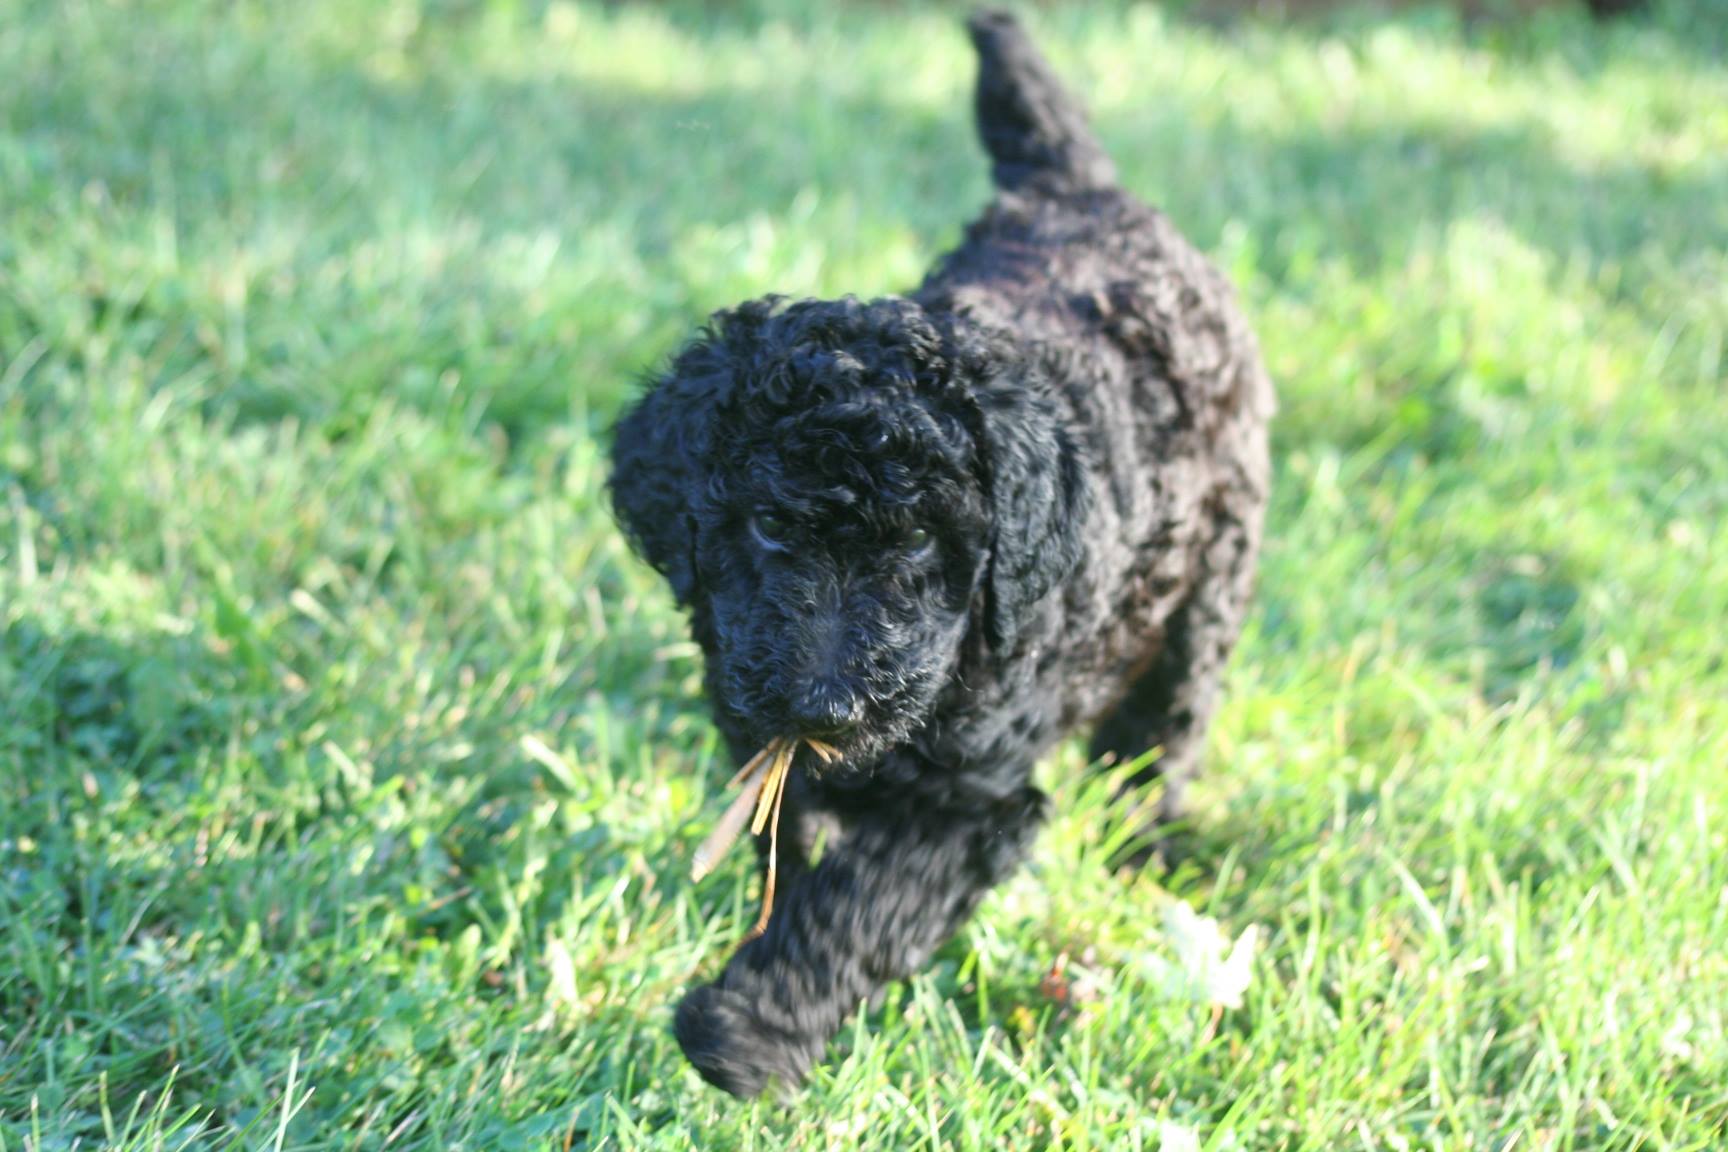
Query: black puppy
x: 940, y: 532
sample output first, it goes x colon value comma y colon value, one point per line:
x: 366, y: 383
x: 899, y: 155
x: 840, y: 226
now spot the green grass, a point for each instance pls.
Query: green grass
x: 349, y: 766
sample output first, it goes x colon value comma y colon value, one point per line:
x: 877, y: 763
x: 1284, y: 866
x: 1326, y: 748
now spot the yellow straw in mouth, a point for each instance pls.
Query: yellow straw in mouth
x: 763, y: 784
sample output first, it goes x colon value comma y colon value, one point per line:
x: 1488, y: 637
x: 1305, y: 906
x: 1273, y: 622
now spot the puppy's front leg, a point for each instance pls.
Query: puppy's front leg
x: 903, y: 878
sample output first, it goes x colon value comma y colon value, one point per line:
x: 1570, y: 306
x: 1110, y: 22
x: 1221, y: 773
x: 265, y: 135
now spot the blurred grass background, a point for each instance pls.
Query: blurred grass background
x: 349, y: 766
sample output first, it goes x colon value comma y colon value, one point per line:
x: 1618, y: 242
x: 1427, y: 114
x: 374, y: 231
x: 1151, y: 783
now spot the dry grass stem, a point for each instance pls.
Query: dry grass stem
x: 762, y: 788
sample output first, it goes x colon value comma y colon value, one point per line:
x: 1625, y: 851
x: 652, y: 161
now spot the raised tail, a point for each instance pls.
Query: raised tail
x: 1030, y: 125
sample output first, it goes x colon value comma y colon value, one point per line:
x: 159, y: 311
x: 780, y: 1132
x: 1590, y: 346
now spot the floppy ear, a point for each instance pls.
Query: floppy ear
x: 1035, y: 485
x: 660, y: 455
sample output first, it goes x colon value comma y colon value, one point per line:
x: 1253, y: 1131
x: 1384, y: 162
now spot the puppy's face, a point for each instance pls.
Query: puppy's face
x: 839, y: 491
x: 840, y: 544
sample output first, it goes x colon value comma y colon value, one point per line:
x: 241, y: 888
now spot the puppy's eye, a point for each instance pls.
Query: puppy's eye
x: 919, y: 542
x: 770, y: 531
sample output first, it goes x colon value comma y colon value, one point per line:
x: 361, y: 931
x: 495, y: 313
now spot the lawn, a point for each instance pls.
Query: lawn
x: 350, y: 765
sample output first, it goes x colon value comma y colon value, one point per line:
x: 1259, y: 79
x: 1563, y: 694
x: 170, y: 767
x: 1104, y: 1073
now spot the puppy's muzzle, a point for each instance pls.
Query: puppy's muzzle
x: 825, y: 710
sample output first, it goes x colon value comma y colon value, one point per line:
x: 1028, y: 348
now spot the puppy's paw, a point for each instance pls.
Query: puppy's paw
x: 731, y: 1046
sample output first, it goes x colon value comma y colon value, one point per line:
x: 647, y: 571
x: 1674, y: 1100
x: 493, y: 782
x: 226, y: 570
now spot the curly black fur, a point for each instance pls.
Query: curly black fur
x: 940, y: 532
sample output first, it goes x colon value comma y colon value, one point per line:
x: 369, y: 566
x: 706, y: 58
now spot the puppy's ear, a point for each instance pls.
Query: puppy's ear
x: 653, y: 454
x: 1035, y: 485
x: 662, y: 447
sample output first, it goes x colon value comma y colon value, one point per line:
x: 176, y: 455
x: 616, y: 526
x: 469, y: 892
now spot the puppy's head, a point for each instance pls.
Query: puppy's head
x: 841, y: 492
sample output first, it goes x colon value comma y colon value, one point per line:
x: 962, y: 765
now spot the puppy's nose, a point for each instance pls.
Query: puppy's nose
x: 824, y: 710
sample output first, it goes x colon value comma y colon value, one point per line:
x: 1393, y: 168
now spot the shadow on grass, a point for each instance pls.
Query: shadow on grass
x: 343, y: 163
x: 129, y: 708
x: 1688, y: 29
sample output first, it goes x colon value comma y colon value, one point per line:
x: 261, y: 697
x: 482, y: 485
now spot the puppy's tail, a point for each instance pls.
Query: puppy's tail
x: 1030, y: 125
